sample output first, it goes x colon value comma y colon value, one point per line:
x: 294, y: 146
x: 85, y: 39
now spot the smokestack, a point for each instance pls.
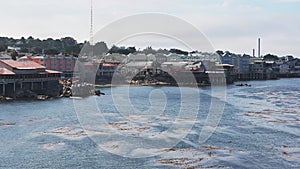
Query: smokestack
x: 259, y: 47
x: 253, y: 53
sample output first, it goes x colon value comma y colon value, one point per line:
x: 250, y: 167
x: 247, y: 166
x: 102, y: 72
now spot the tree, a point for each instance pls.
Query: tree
x: 13, y: 54
x: 24, y: 50
x: 220, y: 52
x: 149, y: 50
x: 73, y: 50
x: 122, y: 50
x: 131, y: 49
x: 3, y: 46
x: 193, y: 52
x: 23, y: 40
x: 271, y: 57
x: 100, y: 48
x: 178, y: 51
x: 163, y: 51
x: 68, y: 41
x: 113, y: 49
x: 51, y: 52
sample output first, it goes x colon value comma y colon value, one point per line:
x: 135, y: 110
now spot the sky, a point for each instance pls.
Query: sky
x: 229, y: 25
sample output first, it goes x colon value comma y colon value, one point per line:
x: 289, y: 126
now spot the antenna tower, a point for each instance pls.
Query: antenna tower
x: 91, y: 31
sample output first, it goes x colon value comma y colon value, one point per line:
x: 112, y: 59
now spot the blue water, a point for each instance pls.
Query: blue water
x: 259, y: 128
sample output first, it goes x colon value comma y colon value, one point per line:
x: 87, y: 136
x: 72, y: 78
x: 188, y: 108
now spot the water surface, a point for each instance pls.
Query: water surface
x: 259, y: 129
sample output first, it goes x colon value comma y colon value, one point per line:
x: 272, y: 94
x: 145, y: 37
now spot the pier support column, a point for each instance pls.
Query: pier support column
x: 21, y: 85
x: 14, y: 87
x: 42, y: 85
x: 3, y: 89
x: 31, y: 85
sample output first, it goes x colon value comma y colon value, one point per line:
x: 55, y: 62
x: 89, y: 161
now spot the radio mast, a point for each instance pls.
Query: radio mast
x: 91, y: 52
x: 92, y: 31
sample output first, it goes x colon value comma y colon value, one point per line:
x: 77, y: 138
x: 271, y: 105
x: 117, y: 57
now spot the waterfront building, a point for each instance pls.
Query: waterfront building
x: 139, y: 57
x: 240, y: 62
x: 196, y: 66
x: 273, y: 65
x: 231, y: 59
x: 21, y: 79
x: 106, y: 71
x: 36, y: 59
x: 5, y: 57
x: 280, y: 61
x: 224, y: 73
x: 257, y: 68
x: 87, y: 71
x: 115, y: 57
x: 196, y: 57
x: 160, y: 57
x: 289, y: 58
x: 243, y: 64
x: 172, y: 67
x: 139, y: 68
x: 199, y: 56
x: 14, y: 48
x: 64, y: 64
x: 292, y: 63
x: 294, y: 66
x: 256, y: 65
x: 173, y: 57
x: 284, y: 69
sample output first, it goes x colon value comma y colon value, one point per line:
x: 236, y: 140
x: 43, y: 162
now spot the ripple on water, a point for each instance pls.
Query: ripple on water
x: 67, y: 133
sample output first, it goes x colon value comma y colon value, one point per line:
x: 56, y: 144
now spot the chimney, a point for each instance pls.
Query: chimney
x: 254, y: 53
x: 259, y: 48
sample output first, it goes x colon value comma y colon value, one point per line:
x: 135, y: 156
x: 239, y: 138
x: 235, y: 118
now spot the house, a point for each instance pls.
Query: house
x: 140, y: 57
x: 5, y: 57
x: 160, y: 58
x: 173, y: 57
x: 284, y: 69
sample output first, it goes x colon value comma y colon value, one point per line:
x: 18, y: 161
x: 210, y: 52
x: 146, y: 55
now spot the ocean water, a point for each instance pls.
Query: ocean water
x: 157, y: 127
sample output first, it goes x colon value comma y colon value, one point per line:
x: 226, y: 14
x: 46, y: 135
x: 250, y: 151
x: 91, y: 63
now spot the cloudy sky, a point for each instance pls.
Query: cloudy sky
x: 232, y: 25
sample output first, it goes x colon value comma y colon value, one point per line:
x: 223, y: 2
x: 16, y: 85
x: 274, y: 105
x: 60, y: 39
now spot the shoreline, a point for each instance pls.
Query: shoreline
x: 4, y: 99
x: 186, y: 84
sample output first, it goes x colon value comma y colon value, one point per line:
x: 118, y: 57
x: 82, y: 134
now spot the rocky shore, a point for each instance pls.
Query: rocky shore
x: 78, y: 89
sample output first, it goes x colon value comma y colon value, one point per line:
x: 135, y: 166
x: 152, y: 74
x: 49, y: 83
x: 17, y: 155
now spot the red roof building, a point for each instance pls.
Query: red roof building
x: 17, y: 78
x: 4, y: 71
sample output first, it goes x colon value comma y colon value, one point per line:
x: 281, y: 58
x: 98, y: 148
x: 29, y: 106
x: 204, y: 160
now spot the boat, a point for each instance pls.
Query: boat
x: 241, y: 84
x: 42, y: 97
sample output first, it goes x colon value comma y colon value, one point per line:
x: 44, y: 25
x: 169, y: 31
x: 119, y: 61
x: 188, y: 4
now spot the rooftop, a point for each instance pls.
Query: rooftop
x: 4, y: 71
x: 139, y: 64
x: 23, y: 65
x: 53, y: 71
x: 5, y: 57
x: 108, y: 64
